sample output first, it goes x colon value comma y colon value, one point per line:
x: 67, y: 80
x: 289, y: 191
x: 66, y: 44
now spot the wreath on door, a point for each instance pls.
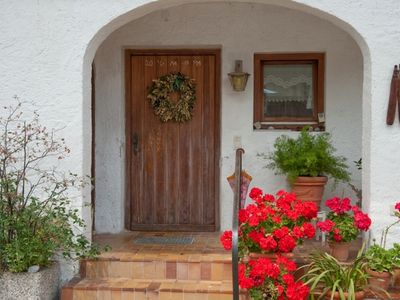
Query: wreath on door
x: 159, y: 96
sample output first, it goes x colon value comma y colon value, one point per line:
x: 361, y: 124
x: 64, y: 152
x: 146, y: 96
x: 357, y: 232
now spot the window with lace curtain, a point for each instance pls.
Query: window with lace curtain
x: 289, y: 91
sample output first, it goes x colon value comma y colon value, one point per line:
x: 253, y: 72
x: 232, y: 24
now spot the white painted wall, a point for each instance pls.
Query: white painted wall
x: 47, y: 47
x: 240, y: 29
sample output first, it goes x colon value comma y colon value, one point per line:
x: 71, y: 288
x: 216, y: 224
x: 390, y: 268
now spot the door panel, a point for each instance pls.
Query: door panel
x: 172, y: 170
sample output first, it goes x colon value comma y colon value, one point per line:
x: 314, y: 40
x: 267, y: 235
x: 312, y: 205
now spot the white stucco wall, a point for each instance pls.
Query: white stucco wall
x: 47, y: 47
x: 267, y: 29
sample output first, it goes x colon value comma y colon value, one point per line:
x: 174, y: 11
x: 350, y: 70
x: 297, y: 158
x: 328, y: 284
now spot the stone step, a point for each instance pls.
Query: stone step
x: 126, y: 288
x: 168, y: 266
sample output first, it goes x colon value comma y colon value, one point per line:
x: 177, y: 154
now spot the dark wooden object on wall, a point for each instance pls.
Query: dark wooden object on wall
x: 172, y: 168
x: 394, y: 97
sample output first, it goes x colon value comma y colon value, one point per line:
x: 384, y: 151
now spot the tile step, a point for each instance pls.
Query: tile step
x: 189, y: 266
x: 126, y: 288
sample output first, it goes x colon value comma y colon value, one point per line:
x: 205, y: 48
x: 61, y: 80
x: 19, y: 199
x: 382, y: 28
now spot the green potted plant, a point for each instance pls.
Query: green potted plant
x: 37, y: 222
x: 380, y: 265
x: 330, y: 279
x: 383, y: 261
x: 307, y: 161
x: 396, y: 264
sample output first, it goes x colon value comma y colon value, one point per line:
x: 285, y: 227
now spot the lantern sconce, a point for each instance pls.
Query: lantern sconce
x: 238, y: 78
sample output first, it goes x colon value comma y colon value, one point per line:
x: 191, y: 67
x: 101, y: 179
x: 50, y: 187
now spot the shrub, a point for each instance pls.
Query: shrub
x: 36, y: 218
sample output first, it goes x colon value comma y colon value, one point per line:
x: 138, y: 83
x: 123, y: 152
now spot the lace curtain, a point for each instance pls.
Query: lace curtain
x: 288, y: 89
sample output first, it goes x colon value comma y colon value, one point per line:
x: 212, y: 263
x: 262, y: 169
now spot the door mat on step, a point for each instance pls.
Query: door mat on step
x: 164, y: 240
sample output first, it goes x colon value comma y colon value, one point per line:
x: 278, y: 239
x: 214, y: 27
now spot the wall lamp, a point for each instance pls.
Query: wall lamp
x: 238, y: 78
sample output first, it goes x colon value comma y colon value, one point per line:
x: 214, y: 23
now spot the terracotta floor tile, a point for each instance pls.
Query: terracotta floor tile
x: 140, y: 296
x: 67, y: 294
x: 217, y: 271
x: 182, y: 271
x: 226, y: 271
x: 85, y: 295
x: 120, y: 269
x: 149, y: 270
x: 171, y: 270
x: 104, y: 295
x: 205, y: 272
x: 194, y: 271
x: 137, y: 270
x: 195, y: 296
x: 160, y: 269
x: 127, y: 295
x: 102, y: 268
x: 116, y: 295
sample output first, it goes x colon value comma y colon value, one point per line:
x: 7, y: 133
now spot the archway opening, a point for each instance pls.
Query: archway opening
x: 209, y: 25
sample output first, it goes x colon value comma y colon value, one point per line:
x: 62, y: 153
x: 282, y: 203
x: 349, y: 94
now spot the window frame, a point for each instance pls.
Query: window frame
x: 317, y: 59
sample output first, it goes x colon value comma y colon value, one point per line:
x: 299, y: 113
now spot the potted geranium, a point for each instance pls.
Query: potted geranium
x: 343, y: 225
x: 266, y: 279
x: 36, y: 218
x: 275, y: 224
x: 270, y: 228
x: 307, y: 161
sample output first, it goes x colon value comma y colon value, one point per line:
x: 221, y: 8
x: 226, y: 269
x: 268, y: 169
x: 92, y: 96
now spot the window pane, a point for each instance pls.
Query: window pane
x: 288, y: 90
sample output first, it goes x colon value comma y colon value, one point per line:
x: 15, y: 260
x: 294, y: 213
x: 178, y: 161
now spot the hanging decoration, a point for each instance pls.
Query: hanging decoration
x: 246, y: 179
x: 163, y: 106
x: 394, y: 97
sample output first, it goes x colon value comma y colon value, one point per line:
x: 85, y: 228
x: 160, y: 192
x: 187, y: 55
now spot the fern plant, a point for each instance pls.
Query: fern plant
x: 308, y: 155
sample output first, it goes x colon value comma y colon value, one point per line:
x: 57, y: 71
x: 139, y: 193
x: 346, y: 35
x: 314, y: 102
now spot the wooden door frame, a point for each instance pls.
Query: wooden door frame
x: 128, y: 123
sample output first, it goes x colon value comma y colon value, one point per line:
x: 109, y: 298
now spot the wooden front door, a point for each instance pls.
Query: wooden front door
x: 172, y: 168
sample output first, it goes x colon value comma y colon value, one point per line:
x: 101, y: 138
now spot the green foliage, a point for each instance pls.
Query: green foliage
x: 345, y: 224
x: 380, y: 259
x: 308, y: 155
x: 396, y: 255
x: 269, y: 291
x: 37, y: 220
x: 327, y: 273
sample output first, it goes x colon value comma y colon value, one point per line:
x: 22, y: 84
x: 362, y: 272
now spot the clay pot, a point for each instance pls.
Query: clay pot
x: 340, y: 251
x: 396, y: 278
x: 270, y: 256
x: 359, y: 295
x: 379, y: 279
x: 309, y: 188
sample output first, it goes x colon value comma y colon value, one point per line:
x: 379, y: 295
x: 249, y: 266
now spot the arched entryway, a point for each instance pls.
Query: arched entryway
x: 215, y: 24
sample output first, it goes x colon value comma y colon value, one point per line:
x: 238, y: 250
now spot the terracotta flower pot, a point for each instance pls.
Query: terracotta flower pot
x: 379, y: 279
x: 359, y: 295
x: 396, y: 278
x: 270, y: 256
x: 309, y: 188
x: 340, y: 251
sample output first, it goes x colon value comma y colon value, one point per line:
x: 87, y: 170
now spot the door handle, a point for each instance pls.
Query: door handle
x: 135, y: 143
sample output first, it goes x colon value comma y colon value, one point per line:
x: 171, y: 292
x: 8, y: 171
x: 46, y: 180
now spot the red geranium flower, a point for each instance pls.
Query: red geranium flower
x: 267, y: 243
x: 226, y: 240
x: 255, y: 193
x: 309, y: 230
x: 280, y: 232
x: 362, y: 221
x: 286, y: 244
x: 338, y: 205
x: 326, y: 225
x: 288, y: 264
x: 297, y: 291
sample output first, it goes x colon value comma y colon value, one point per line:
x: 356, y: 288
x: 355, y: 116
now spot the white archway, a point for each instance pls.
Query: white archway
x: 136, y: 13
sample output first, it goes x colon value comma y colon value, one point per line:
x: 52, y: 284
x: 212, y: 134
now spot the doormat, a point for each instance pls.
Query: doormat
x: 164, y: 240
